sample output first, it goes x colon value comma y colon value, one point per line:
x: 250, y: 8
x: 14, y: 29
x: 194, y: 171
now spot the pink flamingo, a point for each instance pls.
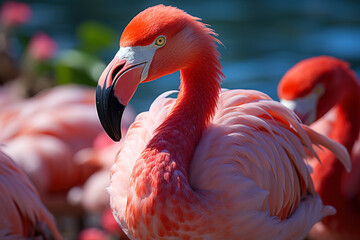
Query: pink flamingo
x: 210, y: 164
x: 43, y: 134
x: 23, y: 216
x: 324, y: 89
x: 92, y: 195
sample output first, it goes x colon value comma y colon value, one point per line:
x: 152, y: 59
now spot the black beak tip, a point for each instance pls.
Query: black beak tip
x: 114, y: 135
x: 110, y: 111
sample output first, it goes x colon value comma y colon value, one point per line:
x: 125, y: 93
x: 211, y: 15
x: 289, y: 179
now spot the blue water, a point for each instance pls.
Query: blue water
x: 262, y: 38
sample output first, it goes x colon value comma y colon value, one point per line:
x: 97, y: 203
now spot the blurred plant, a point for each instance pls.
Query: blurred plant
x: 83, y: 65
x: 110, y: 225
x: 31, y: 72
x: 12, y: 14
x: 36, y: 66
x: 109, y: 229
x: 42, y: 47
x: 93, y: 234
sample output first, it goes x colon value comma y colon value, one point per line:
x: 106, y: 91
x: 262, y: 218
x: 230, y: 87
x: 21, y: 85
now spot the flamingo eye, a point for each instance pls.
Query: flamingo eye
x: 319, y: 89
x: 160, y: 41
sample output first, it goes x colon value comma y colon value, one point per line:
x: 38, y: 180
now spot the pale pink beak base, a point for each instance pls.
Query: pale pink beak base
x: 116, y: 86
x: 123, y: 78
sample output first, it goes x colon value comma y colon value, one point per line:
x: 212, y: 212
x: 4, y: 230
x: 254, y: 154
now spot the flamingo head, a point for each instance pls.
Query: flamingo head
x: 158, y: 41
x: 312, y: 87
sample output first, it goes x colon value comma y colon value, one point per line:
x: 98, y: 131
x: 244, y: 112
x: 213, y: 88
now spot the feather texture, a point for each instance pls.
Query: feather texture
x: 22, y: 213
x: 240, y: 162
x: 209, y: 164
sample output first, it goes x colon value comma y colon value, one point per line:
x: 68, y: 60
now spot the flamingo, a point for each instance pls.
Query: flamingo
x: 212, y: 163
x: 324, y: 89
x: 43, y: 134
x: 92, y: 195
x: 23, y: 215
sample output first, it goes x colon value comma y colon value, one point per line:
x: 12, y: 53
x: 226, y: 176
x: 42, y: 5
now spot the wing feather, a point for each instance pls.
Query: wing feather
x: 250, y: 158
x: 253, y: 156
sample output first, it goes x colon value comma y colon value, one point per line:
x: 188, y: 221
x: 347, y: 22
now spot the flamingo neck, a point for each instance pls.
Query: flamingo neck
x: 160, y: 177
x: 347, y: 123
x: 195, y: 105
x: 345, y: 131
x: 168, y: 154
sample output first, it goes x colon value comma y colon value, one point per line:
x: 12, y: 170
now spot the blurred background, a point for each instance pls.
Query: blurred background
x: 49, y: 44
x: 262, y: 38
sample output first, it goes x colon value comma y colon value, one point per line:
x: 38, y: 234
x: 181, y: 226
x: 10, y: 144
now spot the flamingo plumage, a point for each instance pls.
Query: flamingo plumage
x: 43, y: 133
x: 324, y: 89
x: 212, y: 163
x: 23, y: 215
x: 92, y: 195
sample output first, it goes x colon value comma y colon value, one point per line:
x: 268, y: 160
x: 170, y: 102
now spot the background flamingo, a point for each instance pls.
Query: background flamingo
x: 92, y: 195
x: 43, y: 134
x: 22, y: 213
x: 324, y: 89
x: 56, y: 138
x: 209, y: 164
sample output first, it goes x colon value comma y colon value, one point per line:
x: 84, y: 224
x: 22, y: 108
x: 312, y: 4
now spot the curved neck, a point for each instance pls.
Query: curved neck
x: 345, y: 131
x: 347, y: 123
x: 195, y: 105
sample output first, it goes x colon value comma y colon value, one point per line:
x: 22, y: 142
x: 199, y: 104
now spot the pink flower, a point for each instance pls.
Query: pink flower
x: 42, y: 47
x: 109, y: 223
x: 92, y: 234
x: 14, y: 13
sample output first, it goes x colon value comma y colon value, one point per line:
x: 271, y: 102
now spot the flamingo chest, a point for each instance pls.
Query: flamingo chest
x: 160, y: 205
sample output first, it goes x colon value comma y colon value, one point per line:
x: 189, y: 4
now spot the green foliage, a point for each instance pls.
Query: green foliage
x: 74, y: 66
x: 82, y: 65
x: 94, y: 37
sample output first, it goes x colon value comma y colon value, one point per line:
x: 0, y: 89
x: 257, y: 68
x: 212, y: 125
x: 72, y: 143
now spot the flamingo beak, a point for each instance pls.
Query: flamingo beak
x: 305, y: 108
x: 116, y: 86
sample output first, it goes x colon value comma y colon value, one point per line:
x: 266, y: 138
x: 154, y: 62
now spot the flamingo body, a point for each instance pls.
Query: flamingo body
x: 335, y: 112
x: 209, y: 164
x: 92, y: 195
x: 232, y: 172
x: 43, y: 134
x: 23, y: 216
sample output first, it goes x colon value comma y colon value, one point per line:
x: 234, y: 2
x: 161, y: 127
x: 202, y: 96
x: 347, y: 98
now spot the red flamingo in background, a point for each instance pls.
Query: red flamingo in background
x: 210, y: 164
x: 23, y: 216
x: 324, y: 89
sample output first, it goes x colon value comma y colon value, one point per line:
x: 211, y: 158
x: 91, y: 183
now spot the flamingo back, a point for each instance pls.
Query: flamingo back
x: 260, y: 148
x: 250, y: 159
x: 43, y: 133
